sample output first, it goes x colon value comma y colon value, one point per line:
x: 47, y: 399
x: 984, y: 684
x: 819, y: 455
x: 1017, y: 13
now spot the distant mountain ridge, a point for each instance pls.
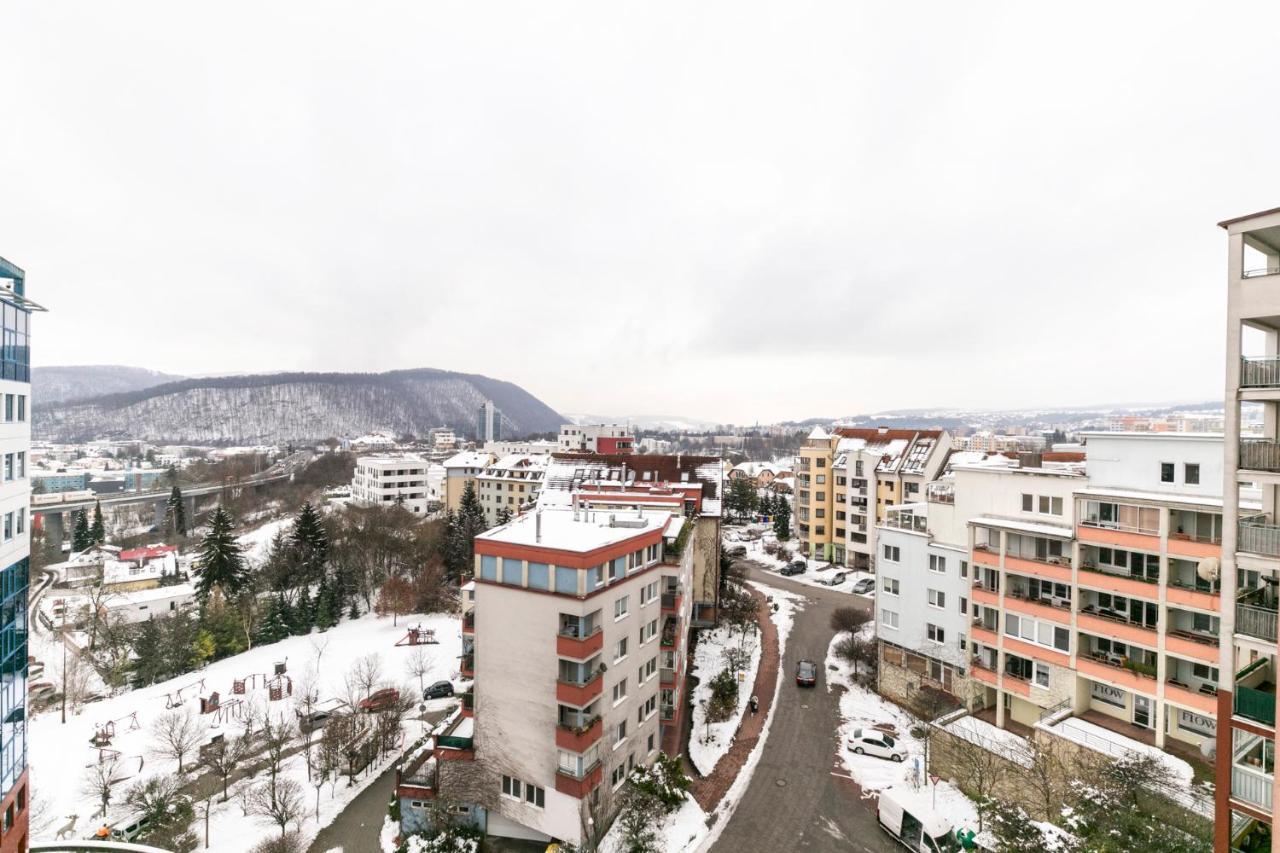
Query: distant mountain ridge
x: 292, y: 407
x: 77, y: 382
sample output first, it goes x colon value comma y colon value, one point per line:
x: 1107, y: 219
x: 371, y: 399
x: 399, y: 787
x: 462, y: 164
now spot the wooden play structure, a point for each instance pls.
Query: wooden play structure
x: 279, y: 687
x: 418, y: 636
x: 239, y: 686
x: 104, y: 732
x: 175, y: 699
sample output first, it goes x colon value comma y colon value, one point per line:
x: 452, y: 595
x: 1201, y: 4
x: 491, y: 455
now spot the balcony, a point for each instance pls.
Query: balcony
x: 1128, y: 585
x: 570, y: 643
x: 576, y: 734
x: 467, y: 666
x: 670, y: 632
x: 1260, y: 372
x: 1191, y: 594
x: 580, y: 694
x: 1056, y: 569
x: 1250, y: 786
x: 1109, y: 623
x: 1190, y: 644
x: 1256, y: 615
x: 469, y: 622
x: 1129, y: 675
x: 1260, y: 454
x: 459, y: 737
x: 671, y: 602
x: 1020, y: 601
x: 1259, y: 537
x: 1204, y: 700
x: 1255, y: 693
x: 579, y: 786
x: 667, y: 676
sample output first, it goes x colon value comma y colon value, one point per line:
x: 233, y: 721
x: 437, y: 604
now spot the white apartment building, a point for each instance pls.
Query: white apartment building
x: 596, y: 438
x: 510, y: 486
x: 392, y: 479
x: 535, y: 447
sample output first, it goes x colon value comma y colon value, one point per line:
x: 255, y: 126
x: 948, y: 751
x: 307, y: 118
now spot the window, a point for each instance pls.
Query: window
x: 937, y: 563
x: 889, y: 585
x: 964, y: 604
x: 888, y: 618
x: 1028, y: 504
x: 892, y: 553
x: 22, y: 407
x: 647, y: 671
x: 22, y: 520
x: 937, y: 598
x: 1191, y: 474
x: 620, y: 734
x: 822, y: 463
x: 620, y: 607
x: 648, y: 593
x: 820, y: 480
x: 8, y: 407
x: 1041, y: 676
x: 512, y: 787
x: 619, y: 691
x: 651, y: 743
x: 648, y: 631
x: 935, y: 633
x: 535, y: 796
x: 964, y: 568
x: 620, y: 650
x: 617, y: 775
x: 647, y: 709
x: 1166, y: 472
x: 1055, y: 506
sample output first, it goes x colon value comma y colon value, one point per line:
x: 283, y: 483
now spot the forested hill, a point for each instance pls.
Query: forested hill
x: 293, y: 407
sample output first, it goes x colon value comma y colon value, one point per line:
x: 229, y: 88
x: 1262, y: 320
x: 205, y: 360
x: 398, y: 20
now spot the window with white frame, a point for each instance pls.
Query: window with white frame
x: 1041, y: 675
x: 937, y: 598
x: 1038, y: 631
x: 892, y: 553
x: 620, y: 607
x: 620, y: 650
x: 648, y: 631
x: 935, y: 633
x: 620, y: 691
x: 888, y: 618
x: 889, y: 585
x: 937, y: 563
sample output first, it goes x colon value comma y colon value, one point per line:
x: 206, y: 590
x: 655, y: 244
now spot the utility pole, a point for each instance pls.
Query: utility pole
x: 63, y: 637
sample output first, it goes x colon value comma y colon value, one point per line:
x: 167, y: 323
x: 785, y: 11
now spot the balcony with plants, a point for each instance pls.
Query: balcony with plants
x: 1255, y: 692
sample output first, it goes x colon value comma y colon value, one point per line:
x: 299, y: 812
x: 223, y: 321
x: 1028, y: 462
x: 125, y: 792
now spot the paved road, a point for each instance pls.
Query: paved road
x: 794, y: 801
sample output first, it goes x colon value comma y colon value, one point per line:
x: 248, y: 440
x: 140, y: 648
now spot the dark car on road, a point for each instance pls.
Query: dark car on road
x: 736, y: 550
x: 439, y: 690
x: 796, y: 567
x: 807, y: 673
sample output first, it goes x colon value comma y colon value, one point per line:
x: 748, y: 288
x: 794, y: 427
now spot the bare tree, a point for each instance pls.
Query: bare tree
x: 364, y: 675
x: 177, y: 734
x: 290, y: 842
x: 279, y: 799
x: 99, y: 779
x: 418, y: 665
x: 275, y: 740
x: 978, y: 770
x: 224, y: 758
x: 1049, y: 772
x: 390, y: 721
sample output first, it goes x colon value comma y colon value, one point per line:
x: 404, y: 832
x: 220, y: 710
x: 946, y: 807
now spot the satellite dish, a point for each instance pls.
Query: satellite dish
x: 1209, y: 569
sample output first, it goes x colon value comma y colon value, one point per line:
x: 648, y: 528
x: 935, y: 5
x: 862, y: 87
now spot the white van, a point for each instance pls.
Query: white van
x: 130, y: 828
x: 914, y: 824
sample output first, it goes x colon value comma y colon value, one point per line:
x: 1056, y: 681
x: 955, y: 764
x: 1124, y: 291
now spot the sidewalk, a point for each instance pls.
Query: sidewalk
x: 709, y: 790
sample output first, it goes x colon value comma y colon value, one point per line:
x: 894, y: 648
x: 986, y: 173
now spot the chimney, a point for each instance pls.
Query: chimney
x: 537, y: 526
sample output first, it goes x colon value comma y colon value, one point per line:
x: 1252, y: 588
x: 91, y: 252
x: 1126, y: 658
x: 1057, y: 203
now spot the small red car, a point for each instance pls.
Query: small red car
x: 807, y: 673
x: 380, y: 701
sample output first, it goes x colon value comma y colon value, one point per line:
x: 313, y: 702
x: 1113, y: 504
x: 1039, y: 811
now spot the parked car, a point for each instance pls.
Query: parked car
x: 439, y: 690
x: 877, y: 743
x: 380, y: 701
x: 807, y: 674
x: 834, y: 580
x: 737, y: 551
x: 796, y: 567
x: 864, y: 586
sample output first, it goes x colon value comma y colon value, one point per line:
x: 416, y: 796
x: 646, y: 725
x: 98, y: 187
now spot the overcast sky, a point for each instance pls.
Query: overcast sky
x: 695, y: 209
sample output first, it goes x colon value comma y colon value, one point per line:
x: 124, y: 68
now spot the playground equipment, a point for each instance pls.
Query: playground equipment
x: 279, y: 687
x: 175, y: 700
x: 104, y: 732
x: 232, y: 709
x: 250, y: 682
x: 418, y: 636
x: 210, y: 703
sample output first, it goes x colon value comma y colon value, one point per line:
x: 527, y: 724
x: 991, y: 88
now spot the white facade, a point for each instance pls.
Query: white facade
x: 537, y: 447
x: 586, y: 437
x: 390, y: 480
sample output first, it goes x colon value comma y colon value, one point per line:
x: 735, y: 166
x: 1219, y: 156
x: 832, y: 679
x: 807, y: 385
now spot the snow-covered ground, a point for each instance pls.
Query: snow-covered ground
x: 256, y: 544
x: 993, y: 738
x: 862, y: 708
x: 816, y: 570
x: 59, y: 754
x: 708, y: 742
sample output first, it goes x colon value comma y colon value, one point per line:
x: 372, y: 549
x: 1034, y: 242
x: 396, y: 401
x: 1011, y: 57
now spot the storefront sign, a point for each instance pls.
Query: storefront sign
x: 1198, y: 723
x: 1110, y: 695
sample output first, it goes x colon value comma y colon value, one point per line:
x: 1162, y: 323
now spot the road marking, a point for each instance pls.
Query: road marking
x: 842, y: 775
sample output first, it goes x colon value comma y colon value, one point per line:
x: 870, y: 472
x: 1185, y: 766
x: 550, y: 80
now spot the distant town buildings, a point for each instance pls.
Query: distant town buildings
x: 509, y: 486
x: 461, y: 469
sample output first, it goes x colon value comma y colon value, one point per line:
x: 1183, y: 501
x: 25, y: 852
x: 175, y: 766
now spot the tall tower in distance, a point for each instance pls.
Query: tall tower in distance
x: 489, y: 423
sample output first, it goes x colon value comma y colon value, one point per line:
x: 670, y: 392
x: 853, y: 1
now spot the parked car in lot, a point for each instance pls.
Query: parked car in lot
x: 380, y: 700
x: 877, y: 743
x: 439, y: 690
x: 864, y: 586
x: 807, y: 673
x: 736, y: 551
x: 795, y: 567
x: 834, y: 580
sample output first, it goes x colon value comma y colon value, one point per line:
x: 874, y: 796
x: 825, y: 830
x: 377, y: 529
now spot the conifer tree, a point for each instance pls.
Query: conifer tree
x: 175, y: 518
x: 303, y: 613
x: 80, y: 537
x: 273, y: 628
x: 148, y: 663
x: 98, y: 530
x: 323, y: 617
x: 311, y: 540
x: 782, y: 519
x: 504, y: 515
x: 354, y: 612
x: 219, y: 562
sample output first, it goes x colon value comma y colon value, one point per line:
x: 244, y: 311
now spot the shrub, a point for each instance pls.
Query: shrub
x: 849, y: 619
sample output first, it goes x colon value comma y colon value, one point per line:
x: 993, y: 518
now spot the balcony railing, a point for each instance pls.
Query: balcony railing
x: 1255, y: 696
x: 1123, y: 575
x: 1251, y: 787
x: 1257, y: 622
x: 1260, y: 454
x: 1258, y: 537
x: 1260, y: 372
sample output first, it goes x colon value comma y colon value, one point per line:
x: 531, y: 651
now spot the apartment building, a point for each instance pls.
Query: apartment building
x: 510, y: 486
x: 460, y: 469
x: 488, y: 423
x: 578, y: 628
x: 1245, y: 763
x: 596, y: 438
x: 392, y: 479
x: 15, y: 550
x: 534, y: 447
x: 848, y: 477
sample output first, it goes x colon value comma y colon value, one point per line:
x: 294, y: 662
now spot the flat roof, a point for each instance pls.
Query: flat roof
x: 1163, y: 436
x: 1229, y: 222
x: 590, y: 531
x: 1031, y: 527
x: 1167, y: 498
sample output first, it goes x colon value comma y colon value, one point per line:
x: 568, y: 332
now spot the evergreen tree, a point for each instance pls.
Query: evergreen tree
x: 148, y: 650
x: 274, y: 628
x: 782, y: 519
x: 222, y: 624
x: 323, y: 617
x: 98, y: 530
x: 180, y: 635
x: 303, y: 613
x: 175, y: 517
x: 80, y: 536
x: 354, y: 612
x: 504, y: 515
x: 455, y: 548
x: 311, y: 540
x: 766, y: 504
x: 219, y: 562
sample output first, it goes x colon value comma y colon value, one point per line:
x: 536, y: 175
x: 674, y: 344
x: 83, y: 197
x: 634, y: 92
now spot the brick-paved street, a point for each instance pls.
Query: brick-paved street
x: 798, y: 798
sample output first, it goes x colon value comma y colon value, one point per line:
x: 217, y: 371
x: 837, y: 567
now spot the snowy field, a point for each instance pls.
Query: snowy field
x: 60, y: 754
x: 862, y: 708
x: 708, y: 742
